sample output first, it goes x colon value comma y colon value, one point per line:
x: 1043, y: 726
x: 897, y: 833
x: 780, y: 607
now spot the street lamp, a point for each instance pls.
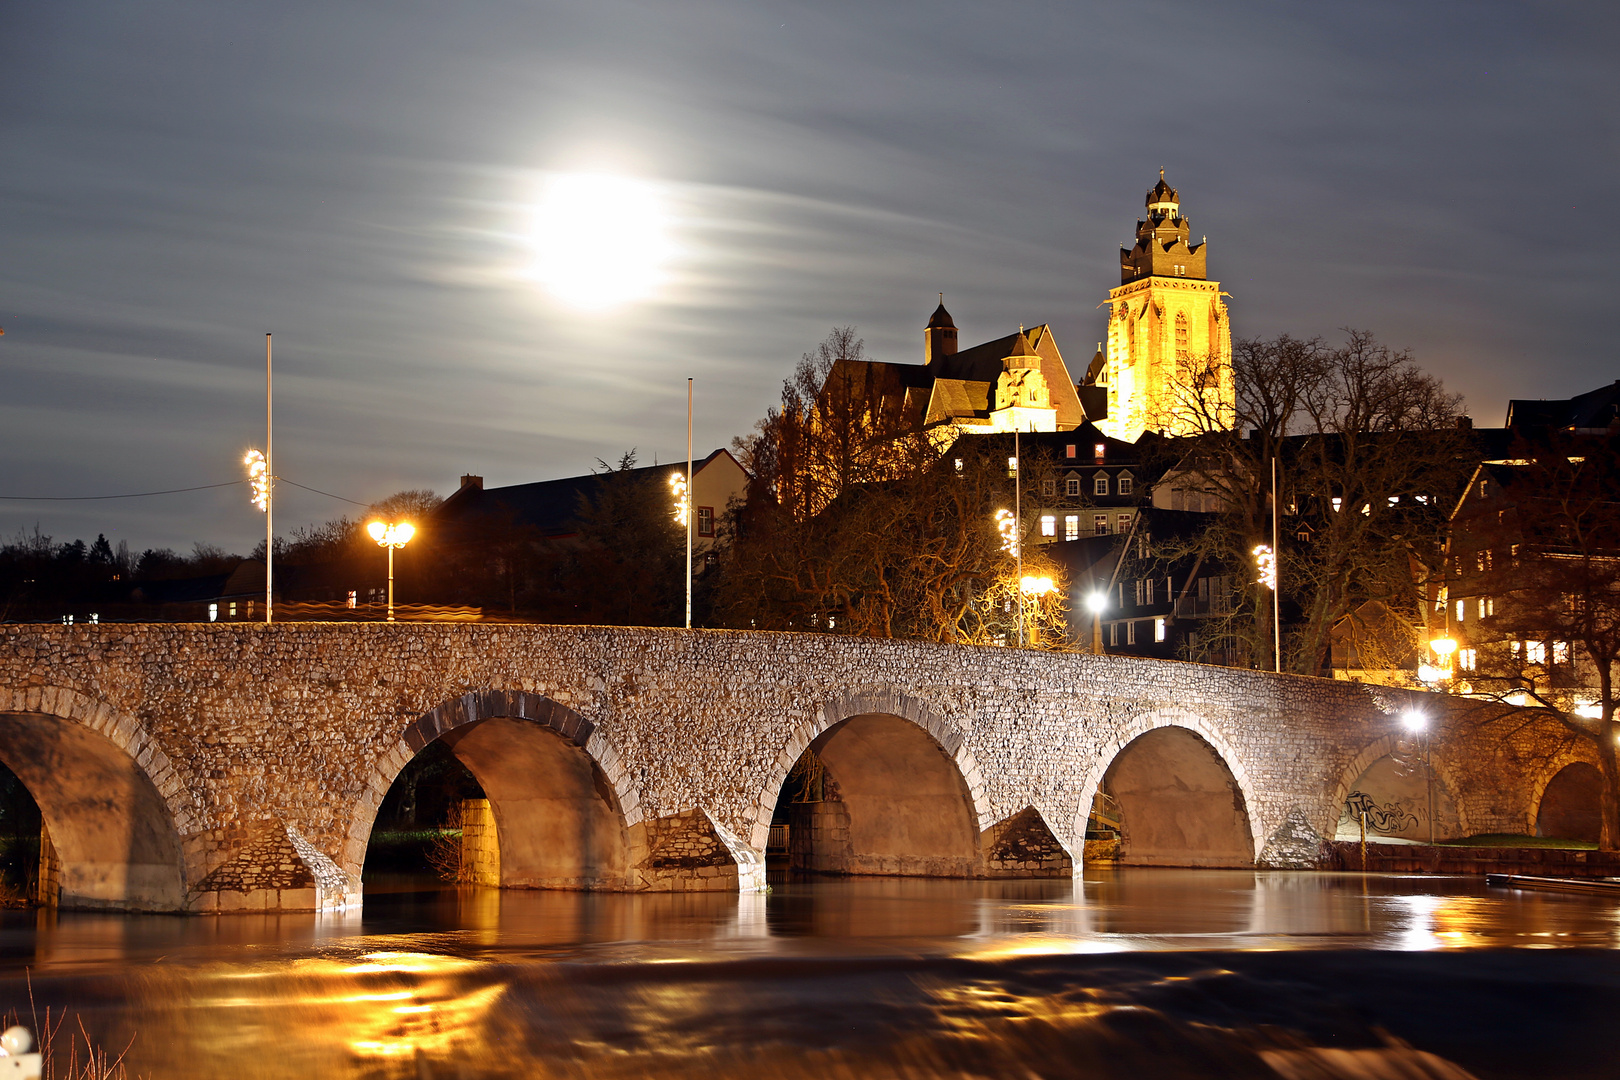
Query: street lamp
x: 391, y: 537
x: 1417, y: 723
x: 1035, y: 587
x: 1265, y: 558
x: 1097, y: 602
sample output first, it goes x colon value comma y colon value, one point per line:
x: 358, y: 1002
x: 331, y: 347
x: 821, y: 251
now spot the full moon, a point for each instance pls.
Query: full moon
x: 600, y: 240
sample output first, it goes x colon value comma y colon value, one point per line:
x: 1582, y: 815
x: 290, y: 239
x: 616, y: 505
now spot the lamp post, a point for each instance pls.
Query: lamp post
x: 1418, y: 724
x: 1096, y: 602
x: 391, y: 536
x: 1266, y: 558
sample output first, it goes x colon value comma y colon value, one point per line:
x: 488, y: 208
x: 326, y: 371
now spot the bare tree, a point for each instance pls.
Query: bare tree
x: 1368, y: 453
x: 1536, y: 549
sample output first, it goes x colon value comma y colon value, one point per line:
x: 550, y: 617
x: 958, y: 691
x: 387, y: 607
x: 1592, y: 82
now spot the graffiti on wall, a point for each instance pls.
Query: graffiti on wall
x: 1389, y: 817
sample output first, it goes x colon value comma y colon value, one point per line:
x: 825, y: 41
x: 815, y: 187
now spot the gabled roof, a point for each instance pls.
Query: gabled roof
x: 550, y: 507
x: 1592, y: 411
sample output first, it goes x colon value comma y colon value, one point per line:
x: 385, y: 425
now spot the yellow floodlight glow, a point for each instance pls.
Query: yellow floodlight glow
x: 1036, y: 586
x: 1443, y: 646
x: 1266, y: 559
x: 1007, y: 526
x: 258, y: 479
x: 677, y: 488
x: 391, y: 536
x: 600, y: 240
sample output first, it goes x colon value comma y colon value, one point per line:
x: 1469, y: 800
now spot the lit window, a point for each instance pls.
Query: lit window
x: 1071, y: 527
x: 958, y: 464
x: 1158, y: 629
x: 1048, y: 525
x: 1069, y: 450
x: 1462, y: 607
x: 213, y: 612
x: 354, y: 598
x: 1124, y: 523
x: 1535, y: 652
x: 1338, y: 504
x: 1073, y: 486
x: 705, y: 521
x: 1012, y: 465
x: 233, y: 609
x: 1560, y: 652
x: 1125, y: 484
x: 1100, y: 524
x: 1468, y: 659
x: 1098, y: 451
x: 1490, y: 605
x: 1099, y: 486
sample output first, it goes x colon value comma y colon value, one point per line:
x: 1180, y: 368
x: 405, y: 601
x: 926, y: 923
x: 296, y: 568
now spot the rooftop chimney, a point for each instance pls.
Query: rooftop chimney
x: 468, y: 480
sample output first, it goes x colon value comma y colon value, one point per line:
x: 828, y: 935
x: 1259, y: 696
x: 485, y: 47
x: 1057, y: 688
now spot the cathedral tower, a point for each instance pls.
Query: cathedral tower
x: 1168, y: 363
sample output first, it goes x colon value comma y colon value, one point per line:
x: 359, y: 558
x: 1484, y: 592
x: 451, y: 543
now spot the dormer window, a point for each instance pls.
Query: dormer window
x: 1072, y: 487
x: 1126, y: 481
x: 1099, y: 484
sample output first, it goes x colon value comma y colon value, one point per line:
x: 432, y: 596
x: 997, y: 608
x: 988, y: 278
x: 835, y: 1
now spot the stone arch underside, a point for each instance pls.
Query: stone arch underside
x: 894, y: 803
x: 1179, y: 802
x: 1388, y: 783
x: 113, y: 831
x: 1571, y: 805
x: 566, y: 816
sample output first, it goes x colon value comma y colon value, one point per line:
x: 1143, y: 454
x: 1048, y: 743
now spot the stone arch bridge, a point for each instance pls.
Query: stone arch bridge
x: 198, y: 767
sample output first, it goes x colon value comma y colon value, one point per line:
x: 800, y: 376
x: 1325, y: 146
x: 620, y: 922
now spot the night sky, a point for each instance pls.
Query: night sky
x: 362, y: 179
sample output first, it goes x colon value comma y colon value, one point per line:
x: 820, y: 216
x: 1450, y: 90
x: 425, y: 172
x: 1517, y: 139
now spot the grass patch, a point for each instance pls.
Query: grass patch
x: 1512, y: 840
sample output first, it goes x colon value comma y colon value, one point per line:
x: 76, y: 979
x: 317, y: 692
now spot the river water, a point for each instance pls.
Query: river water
x: 1132, y: 973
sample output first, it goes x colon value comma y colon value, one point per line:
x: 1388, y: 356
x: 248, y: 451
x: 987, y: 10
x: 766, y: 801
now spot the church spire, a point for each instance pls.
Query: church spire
x: 939, y: 336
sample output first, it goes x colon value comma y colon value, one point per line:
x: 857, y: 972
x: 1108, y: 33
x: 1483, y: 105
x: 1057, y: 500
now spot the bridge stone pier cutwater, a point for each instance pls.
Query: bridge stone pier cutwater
x: 211, y: 768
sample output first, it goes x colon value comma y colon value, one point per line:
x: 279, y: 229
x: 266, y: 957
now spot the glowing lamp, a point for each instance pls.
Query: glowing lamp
x: 1097, y: 602
x: 1443, y: 646
x: 392, y: 536
x: 1036, y: 586
x: 1414, y: 721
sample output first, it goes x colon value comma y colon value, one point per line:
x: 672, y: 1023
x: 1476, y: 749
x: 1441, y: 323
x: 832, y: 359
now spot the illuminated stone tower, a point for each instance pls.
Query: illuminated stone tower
x: 1168, y: 364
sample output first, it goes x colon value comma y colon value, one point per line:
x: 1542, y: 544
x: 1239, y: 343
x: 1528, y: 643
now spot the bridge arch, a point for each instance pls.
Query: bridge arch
x: 113, y: 804
x: 1386, y: 746
x: 1568, y: 800
x: 1180, y: 740
x: 562, y: 803
x: 910, y: 799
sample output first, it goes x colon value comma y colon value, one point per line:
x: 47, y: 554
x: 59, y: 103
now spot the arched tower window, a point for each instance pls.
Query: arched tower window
x: 1181, y: 336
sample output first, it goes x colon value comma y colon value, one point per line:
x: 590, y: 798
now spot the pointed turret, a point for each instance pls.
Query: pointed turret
x: 939, y: 336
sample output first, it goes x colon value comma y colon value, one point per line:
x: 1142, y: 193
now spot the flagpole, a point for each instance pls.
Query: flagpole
x: 270, y: 487
x: 691, y: 507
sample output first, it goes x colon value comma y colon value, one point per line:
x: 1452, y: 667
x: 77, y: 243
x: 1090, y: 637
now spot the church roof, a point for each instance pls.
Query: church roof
x: 940, y: 318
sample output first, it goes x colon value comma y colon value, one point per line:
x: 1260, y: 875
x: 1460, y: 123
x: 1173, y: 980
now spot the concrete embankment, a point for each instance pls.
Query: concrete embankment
x: 1423, y: 859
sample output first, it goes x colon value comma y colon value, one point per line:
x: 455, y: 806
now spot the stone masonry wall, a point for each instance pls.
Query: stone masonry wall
x: 247, y: 729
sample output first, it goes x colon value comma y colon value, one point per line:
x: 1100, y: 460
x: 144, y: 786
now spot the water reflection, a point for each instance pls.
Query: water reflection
x: 1203, y: 973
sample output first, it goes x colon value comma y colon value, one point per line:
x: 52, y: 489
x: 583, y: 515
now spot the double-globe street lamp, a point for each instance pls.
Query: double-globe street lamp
x: 391, y: 536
